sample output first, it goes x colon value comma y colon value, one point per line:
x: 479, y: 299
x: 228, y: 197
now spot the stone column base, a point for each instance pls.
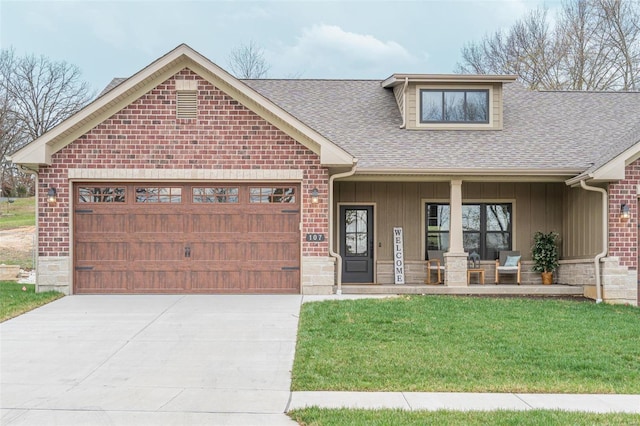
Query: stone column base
x: 52, y: 273
x: 318, y: 274
x: 455, y: 269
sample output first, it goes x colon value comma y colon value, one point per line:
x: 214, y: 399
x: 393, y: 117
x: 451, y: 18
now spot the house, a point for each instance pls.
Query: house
x: 183, y: 178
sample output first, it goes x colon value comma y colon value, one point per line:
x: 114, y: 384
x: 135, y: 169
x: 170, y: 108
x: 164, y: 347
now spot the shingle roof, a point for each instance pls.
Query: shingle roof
x: 544, y: 131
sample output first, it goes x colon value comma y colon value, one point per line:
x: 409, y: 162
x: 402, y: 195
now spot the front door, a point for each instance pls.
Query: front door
x: 356, y: 243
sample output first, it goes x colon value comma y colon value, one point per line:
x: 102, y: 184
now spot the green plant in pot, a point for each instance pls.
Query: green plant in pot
x: 545, y: 254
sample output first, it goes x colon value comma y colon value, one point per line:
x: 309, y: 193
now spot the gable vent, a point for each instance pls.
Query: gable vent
x: 187, y: 104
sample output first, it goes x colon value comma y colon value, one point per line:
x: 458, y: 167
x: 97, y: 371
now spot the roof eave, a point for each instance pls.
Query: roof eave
x: 397, y: 79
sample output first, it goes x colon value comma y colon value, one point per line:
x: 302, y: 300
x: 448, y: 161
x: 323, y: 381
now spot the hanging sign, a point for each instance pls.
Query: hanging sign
x: 398, y: 256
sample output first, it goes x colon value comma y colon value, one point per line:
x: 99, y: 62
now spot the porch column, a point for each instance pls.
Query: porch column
x: 455, y: 258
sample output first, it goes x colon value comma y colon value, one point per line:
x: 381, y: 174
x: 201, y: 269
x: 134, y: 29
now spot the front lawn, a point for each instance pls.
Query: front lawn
x: 21, y: 212
x: 14, y: 301
x: 464, y: 344
x: 345, y: 417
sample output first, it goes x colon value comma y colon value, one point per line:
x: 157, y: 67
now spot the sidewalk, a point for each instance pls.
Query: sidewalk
x: 413, y: 401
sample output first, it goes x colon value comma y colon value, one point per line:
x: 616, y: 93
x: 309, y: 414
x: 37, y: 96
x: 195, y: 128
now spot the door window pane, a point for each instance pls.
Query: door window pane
x: 356, y: 232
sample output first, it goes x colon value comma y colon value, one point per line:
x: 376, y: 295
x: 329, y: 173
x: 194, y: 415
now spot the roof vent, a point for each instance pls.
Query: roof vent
x: 187, y: 104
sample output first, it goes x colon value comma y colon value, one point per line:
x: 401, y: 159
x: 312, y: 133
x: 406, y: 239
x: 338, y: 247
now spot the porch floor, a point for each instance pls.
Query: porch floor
x: 473, y: 289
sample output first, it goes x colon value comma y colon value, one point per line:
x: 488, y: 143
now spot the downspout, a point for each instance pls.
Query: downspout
x: 605, y: 234
x: 36, y: 247
x: 404, y: 103
x: 332, y: 253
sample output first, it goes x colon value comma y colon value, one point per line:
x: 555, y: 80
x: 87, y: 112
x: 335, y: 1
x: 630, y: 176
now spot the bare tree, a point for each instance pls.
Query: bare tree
x: 593, y: 45
x: 247, y: 61
x: 36, y: 94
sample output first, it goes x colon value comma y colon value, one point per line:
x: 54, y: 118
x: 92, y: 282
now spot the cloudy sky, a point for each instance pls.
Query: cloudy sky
x: 301, y: 39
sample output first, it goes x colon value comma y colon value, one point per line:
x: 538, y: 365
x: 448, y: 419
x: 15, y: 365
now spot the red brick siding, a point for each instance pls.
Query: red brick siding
x: 623, y: 235
x: 147, y: 135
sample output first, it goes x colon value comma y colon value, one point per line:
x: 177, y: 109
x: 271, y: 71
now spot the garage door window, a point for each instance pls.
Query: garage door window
x: 272, y: 195
x: 106, y: 194
x: 151, y: 194
x: 215, y: 195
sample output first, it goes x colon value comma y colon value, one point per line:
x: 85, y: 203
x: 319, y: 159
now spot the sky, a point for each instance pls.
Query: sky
x: 356, y: 39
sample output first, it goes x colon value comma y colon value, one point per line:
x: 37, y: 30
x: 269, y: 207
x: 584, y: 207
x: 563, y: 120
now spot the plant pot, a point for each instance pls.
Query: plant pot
x: 547, y: 278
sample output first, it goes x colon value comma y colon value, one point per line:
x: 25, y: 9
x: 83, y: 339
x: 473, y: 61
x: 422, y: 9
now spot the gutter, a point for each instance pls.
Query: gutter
x: 605, y: 233
x: 332, y: 253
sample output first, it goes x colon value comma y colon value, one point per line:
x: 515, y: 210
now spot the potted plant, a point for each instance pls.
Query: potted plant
x: 545, y: 254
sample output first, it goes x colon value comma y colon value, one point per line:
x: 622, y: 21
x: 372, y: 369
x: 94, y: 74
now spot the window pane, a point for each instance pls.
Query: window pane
x: 350, y: 241
x: 158, y: 195
x: 498, y: 217
x: 431, y: 105
x: 362, y: 244
x: 471, y: 217
x: 497, y: 241
x: 478, y: 106
x: 215, y: 195
x: 454, y: 106
x: 438, y: 219
x: 439, y: 241
x: 471, y: 242
x: 272, y: 195
x: 101, y: 195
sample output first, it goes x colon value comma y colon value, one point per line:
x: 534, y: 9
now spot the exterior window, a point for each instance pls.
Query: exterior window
x: 454, y: 106
x: 272, y: 195
x: 158, y: 195
x: 105, y: 194
x: 486, y: 228
x: 215, y: 195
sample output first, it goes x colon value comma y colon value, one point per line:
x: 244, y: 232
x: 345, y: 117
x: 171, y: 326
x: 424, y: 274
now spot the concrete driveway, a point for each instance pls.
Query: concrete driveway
x: 137, y: 360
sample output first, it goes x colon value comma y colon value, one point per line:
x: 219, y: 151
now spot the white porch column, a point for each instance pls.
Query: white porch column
x: 455, y: 258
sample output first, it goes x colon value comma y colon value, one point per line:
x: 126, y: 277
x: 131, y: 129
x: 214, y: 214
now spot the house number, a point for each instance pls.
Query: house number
x: 315, y: 237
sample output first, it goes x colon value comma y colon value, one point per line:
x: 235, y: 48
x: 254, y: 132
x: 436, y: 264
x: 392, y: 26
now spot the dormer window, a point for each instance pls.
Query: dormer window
x: 454, y: 106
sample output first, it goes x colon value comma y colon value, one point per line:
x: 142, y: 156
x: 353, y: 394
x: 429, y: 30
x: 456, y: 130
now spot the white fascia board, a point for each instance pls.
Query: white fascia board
x: 615, y: 168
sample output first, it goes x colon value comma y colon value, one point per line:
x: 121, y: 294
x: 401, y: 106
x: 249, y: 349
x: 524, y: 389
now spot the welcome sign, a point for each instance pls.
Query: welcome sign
x: 398, y: 256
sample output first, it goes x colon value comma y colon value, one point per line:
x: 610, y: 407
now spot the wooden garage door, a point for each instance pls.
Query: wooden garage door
x: 179, y: 238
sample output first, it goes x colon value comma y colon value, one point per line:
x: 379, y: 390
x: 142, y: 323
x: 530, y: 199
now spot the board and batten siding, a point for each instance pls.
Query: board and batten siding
x: 536, y: 207
x: 413, y: 104
x: 582, y: 220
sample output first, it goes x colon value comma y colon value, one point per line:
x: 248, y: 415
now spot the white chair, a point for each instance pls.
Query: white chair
x: 508, y: 263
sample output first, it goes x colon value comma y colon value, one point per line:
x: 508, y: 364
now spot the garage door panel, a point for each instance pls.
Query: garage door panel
x: 265, y: 223
x: 217, y: 222
x: 101, y: 250
x: 217, y: 251
x: 157, y: 250
x: 157, y: 223
x: 223, y: 281
x: 270, y: 281
x: 162, y: 281
x: 86, y: 223
x: 274, y: 250
x: 102, y: 281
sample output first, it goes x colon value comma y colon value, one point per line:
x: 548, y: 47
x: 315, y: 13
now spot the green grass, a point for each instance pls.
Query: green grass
x: 22, y: 212
x: 346, y: 417
x: 14, y: 301
x: 463, y: 344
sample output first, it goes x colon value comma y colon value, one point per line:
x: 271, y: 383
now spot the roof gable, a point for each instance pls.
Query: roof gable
x: 39, y: 151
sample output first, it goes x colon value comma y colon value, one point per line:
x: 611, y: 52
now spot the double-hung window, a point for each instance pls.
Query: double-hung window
x: 454, y: 106
x: 486, y: 228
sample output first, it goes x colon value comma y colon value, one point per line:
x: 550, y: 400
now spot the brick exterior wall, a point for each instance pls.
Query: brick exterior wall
x: 623, y: 235
x: 147, y: 135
